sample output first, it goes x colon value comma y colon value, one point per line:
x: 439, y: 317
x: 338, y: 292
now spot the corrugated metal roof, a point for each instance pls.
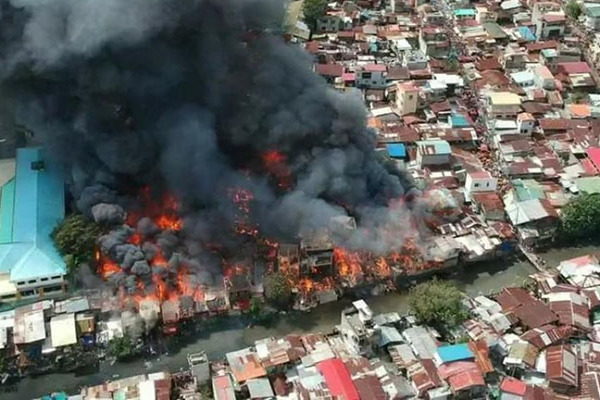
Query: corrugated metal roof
x: 7, y: 206
x: 454, y: 352
x: 562, y: 365
x: 62, y: 330
x: 38, y: 207
x: 338, y: 379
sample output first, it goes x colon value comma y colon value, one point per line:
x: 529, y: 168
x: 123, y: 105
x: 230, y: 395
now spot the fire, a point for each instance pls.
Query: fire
x: 159, y: 260
x: 161, y: 287
x: 107, y: 267
x: 164, y: 212
x: 349, y: 264
x: 186, y: 288
x: 165, y: 222
x: 135, y: 239
x: 275, y: 164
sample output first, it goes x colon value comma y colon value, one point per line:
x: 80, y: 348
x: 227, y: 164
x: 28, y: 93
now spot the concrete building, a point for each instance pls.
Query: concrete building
x: 373, y: 76
x: 480, y: 181
x: 592, y: 16
x: 433, y: 152
x: 407, y: 98
x: 549, y: 19
x: 503, y: 105
x: 357, y: 328
x: 31, y: 205
x: 434, y: 42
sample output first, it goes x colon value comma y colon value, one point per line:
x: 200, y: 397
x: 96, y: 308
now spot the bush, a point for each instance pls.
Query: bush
x: 580, y: 218
x: 122, y: 348
x: 438, y: 304
x: 75, y: 238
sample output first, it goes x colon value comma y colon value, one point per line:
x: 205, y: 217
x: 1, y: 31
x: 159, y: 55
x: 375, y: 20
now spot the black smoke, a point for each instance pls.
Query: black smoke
x: 185, y: 96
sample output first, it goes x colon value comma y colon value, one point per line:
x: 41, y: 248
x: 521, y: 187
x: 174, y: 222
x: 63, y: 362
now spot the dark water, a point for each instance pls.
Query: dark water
x: 232, y: 334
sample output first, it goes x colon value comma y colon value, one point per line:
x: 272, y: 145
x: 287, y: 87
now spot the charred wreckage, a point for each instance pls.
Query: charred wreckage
x: 214, y: 156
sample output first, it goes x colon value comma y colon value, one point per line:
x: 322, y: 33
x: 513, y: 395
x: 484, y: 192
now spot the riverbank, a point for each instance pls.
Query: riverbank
x: 232, y: 333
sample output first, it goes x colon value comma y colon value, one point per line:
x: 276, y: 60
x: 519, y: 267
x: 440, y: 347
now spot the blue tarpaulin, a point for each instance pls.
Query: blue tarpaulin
x: 396, y: 150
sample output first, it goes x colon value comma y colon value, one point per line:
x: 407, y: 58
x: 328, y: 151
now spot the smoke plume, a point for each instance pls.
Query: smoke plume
x: 198, y: 98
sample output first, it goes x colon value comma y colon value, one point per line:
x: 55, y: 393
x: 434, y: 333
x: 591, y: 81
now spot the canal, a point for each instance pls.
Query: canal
x: 233, y: 334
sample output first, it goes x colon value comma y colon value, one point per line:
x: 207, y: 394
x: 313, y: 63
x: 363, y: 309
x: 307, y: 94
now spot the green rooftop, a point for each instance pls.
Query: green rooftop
x: 464, y: 12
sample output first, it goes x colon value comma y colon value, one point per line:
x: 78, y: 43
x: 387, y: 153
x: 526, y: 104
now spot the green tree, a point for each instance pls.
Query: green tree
x: 75, y: 237
x: 313, y: 10
x: 579, y: 97
x: 121, y: 347
x: 278, y: 289
x: 438, y: 304
x: 580, y: 218
x: 574, y: 9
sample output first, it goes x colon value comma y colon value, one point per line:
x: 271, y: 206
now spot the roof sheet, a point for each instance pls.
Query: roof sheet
x: 338, y: 379
x: 223, y: 388
x: 260, y: 388
x: 594, y: 154
x: 7, y: 206
x: 394, y: 150
x: 454, y: 352
x: 38, y: 207
x: 513, y: 386
x: 463, y: 12
x: 62, y: 330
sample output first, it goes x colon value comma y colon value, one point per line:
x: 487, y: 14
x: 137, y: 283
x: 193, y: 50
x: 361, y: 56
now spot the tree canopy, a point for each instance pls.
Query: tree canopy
x: 313, y: 10
x: 574, y: 9
x: 121, y: 347
x: 75, y: 237
x: 580, y: 218
x: 437, y: 303
x: 278, y: 289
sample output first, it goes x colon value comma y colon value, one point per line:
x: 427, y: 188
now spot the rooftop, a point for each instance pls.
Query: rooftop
x: 32, y: 203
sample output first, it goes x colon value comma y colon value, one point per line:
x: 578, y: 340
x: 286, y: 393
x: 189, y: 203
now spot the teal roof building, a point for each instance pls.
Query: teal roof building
x: 32, y: 203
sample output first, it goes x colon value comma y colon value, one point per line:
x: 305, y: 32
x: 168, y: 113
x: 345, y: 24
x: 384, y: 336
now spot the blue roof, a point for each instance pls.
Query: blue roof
x: 459, y: 121
x: 455, y: 352
x: 397, y: 150
x: 26, y: 248
x: 526, y: 33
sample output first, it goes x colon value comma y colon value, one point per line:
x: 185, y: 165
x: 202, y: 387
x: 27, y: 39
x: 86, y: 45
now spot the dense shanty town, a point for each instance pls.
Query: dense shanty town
x: 491, y: 107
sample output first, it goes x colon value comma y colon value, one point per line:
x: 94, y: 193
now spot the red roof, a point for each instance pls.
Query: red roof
x: 329, y: 69
x: 538, y: 46
x: 574, y: 67
x: 594, y: 154
x: 375, y: 67
x: 513, y: 386
x: 338, y: 379
x: 466, y: 380
x: 370, y: 388
x: 562, y: 366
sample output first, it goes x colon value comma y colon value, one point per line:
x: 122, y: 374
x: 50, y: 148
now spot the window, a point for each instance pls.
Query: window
x: 366, y: 75
x: 56, y: 277
x: 27, y: 293
x: 44, y: 279
x: 52, y: 289
x: 32, y: 281
x: 476, y: 185
x: 21, y: 283
x: 8, y: 297
x: 410, y: 96
x: 487, y: 184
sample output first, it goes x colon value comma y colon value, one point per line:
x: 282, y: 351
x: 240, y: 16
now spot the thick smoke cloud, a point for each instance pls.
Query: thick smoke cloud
x: 185, y: 96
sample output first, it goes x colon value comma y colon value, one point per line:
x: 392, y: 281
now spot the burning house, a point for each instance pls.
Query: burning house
x: 192, y: 182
